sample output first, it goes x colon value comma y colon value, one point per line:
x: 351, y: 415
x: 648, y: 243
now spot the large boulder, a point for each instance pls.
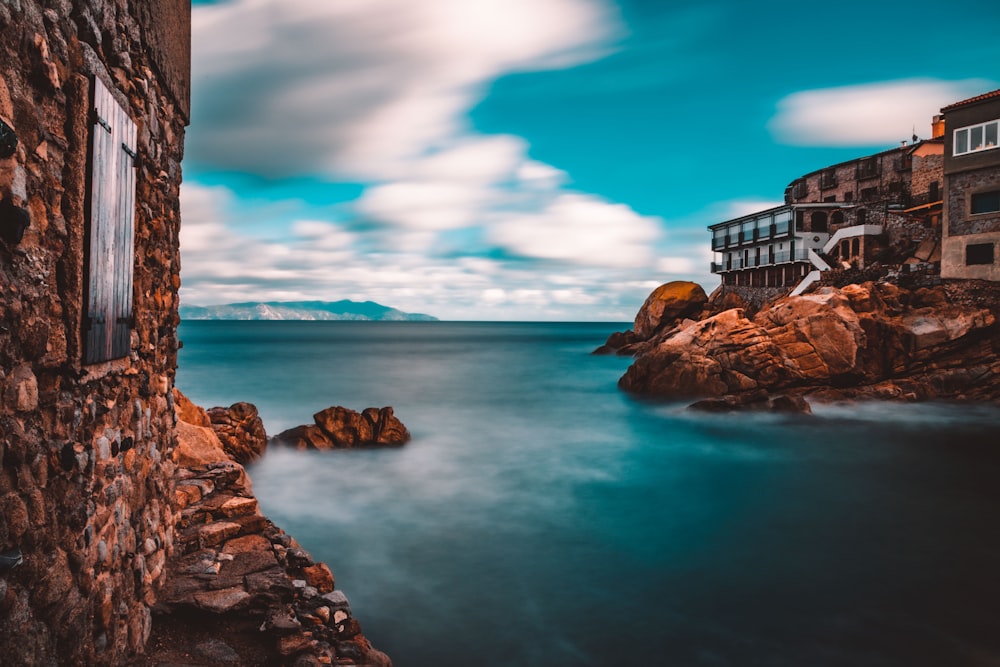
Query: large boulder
x: 241, y: 431
x: 668, y: 305
x: 339, y: 427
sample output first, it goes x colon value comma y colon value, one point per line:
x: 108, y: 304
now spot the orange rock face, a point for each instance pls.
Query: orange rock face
x: 668, y: 304
x: 875, y: 340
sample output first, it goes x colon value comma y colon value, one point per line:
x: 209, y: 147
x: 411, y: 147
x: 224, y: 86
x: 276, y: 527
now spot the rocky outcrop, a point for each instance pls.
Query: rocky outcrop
x: 665, y: 307
x: 338, y: 427
x: 239, y: 427
x: 868, y: 340
x: 234, y: 570
x: 241, y: 431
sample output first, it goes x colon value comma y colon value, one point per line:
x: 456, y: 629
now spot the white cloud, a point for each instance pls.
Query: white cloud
x: 358, y: 88
x: 323, y: 260
x: 579, y: 229
x: 377, y: 92
x: 866, y: 114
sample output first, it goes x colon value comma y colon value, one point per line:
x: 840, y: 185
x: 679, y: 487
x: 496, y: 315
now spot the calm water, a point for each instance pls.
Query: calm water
x: 540, y: 517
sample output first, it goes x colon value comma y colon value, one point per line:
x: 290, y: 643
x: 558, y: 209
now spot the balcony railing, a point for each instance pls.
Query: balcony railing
x: 779, y: 257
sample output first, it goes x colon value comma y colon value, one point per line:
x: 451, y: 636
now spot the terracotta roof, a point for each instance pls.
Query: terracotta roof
x: 977, y: 98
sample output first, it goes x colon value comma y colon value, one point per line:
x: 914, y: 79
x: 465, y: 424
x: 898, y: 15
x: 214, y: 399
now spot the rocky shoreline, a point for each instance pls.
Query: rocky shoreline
x: 874, y: 340
x: 239, y: 590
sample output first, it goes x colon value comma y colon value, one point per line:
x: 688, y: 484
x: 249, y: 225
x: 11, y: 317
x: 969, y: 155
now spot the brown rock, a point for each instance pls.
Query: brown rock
x: 241, y: 431
x: 388, y: 429
x: 863, y: 340
x: 197, y: 445
x: 344, y: 427
x: 667, y: 305
x: 339, y: 427
x: 188, y: 411
x: 319, y: 576
x: 308, y: 436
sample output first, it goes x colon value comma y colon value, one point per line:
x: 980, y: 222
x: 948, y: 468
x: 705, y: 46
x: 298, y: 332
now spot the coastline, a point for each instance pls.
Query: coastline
x: 238, y: 590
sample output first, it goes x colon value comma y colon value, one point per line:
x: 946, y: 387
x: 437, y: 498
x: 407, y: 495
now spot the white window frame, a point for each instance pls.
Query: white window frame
x: 968, y: 130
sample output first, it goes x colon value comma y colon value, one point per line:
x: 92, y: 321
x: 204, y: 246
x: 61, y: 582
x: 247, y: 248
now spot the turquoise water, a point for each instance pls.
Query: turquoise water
x: 541, y: 517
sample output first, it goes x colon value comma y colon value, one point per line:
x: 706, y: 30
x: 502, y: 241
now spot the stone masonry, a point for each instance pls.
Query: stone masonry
x: 86, y: 523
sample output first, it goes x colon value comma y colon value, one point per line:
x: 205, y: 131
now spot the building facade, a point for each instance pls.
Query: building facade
x: 971, y: 237
x: 94, y: 99
x: 848, y: 215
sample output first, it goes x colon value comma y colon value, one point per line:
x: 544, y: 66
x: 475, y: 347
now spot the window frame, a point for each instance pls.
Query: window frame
x: 974, y: 195
x: 966, y: 138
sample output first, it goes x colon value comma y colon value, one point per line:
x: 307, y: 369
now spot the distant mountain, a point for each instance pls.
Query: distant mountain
x: 302, y: 310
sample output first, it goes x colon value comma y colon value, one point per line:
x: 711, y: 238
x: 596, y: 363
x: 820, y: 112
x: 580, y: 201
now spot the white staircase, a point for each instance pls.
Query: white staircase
x: 821, y: 264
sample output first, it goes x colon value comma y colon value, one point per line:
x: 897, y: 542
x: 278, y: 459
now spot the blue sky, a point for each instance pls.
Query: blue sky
x: 532, y: 159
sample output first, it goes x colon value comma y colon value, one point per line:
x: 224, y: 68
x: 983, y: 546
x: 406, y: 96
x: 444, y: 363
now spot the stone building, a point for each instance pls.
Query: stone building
x: 94, y: 98
x: 971, y: 239
x: 847, y: 215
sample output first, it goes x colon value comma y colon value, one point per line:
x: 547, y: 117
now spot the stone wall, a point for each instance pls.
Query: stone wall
x: 85, y: 451
x: 960, y: 188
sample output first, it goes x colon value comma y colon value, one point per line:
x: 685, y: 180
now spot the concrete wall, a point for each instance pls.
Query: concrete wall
x: 84, y: 450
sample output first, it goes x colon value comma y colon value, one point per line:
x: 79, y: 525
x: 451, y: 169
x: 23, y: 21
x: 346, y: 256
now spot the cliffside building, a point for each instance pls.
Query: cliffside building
x: 94, y: 98
x: 971, y: 238
x: 842, y: 216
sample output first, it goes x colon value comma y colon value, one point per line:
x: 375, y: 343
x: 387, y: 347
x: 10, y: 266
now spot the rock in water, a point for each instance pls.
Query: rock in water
x: 339, y: 427
x: 241, y: 431
x: 868, y: 340
x: 668, y: 305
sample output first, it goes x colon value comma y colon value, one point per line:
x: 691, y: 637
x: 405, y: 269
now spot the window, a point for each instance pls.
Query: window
x: 978, y: 253
x: 781, y: 220
x: 828, y: 179
x: 975, y: 138
x: 848, y: 196
x: 111, y: 229
x: 935, y: 191
x: 867, y: 168
x: 985, y: 202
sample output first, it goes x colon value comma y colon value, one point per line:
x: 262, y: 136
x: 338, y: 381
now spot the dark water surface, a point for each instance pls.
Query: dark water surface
x: 541, y: 517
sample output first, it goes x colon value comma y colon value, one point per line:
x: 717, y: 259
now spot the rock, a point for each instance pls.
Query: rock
x: 308, y: 436
x: 759, y: 402
x: 189, y: 412
x: 344, y: 427
x: 616, y: 342
x: 668, y: 304
x: 217, y: 651
x: 319, y: 576
x: 862, y: 340
x: 340, y: 427
x: 197, y: 445
x: 223, y: 600
x: 241, y: 431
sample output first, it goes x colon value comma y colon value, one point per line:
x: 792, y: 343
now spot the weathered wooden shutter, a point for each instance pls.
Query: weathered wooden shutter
x: 112, y: 229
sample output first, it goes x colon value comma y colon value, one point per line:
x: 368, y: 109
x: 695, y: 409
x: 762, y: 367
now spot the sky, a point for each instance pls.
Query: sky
x: 532, y: 159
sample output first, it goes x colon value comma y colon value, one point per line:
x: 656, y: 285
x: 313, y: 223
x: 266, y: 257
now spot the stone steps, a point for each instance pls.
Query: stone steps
x: 229, y: 560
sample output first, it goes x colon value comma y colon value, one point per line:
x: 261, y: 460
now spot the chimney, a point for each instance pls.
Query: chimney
x: 937, y: 127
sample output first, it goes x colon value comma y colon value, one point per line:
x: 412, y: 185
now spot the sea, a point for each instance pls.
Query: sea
x: 542, y: 517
